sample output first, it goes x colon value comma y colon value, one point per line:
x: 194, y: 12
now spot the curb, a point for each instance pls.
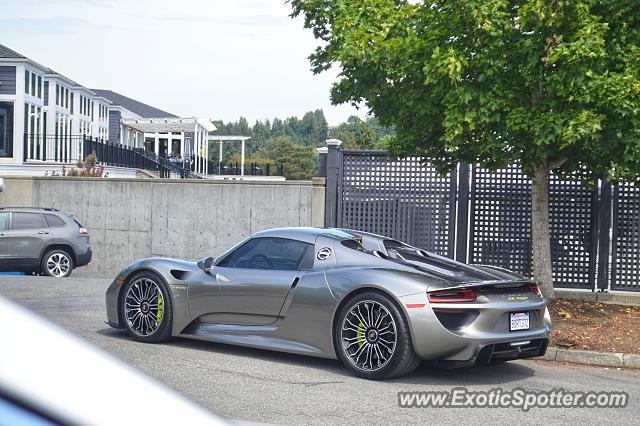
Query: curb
x: 602, y: 359
x: 615, y: 297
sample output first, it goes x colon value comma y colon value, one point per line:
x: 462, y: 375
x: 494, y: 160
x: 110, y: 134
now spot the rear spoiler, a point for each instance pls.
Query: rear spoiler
x: 492, y: 284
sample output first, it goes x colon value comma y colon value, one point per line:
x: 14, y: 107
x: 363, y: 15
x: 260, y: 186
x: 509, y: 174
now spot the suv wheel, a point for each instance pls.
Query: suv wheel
x: 57, y: 263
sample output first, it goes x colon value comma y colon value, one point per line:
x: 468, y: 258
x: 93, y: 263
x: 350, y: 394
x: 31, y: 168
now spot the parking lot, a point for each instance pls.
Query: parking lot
x: 261, y: 386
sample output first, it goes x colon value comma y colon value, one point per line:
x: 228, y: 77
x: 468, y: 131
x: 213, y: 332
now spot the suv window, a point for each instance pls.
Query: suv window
x: 267, y: 253
x: 54, y: 221
x: 4, y: 221
x: 20, y: 220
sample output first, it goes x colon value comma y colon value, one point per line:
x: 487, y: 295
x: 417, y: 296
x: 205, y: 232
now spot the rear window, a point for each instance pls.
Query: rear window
x: 54, y: 221
x: 26, y: 221
x: 72, y: 217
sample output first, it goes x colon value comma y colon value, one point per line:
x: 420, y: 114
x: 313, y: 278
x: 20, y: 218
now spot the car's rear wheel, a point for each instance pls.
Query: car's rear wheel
x: 57, y: 263
x: 372, y: 337
x: 147, y: 311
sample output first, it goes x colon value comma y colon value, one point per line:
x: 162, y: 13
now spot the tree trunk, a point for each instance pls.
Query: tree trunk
x: 541, y: 241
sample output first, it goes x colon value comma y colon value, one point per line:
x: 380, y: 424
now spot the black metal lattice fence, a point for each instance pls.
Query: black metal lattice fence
x: 400, y: 198
x: 625, y: 264
x: 500, y: 225
x: 480, y: 216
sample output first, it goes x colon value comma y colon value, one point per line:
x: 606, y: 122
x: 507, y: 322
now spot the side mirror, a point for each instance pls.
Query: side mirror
x: 206, y: 264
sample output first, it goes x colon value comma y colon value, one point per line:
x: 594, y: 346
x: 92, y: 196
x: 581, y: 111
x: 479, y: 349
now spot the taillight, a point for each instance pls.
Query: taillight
x: 533, y: 288
x: 452, y: 296
x: 83, y: 231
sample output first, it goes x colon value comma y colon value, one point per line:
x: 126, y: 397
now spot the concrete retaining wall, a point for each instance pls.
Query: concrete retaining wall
x: 129, y: 219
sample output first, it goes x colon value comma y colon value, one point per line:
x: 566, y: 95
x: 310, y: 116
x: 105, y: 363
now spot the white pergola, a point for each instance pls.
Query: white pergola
x: 227, y: 138
x: 200, y: 128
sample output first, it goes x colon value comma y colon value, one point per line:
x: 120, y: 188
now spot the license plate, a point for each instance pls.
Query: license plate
x: 519, y: 321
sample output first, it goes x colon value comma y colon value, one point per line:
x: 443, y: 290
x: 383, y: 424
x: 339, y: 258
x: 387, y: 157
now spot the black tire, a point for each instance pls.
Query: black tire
x: 403, y: 360
x: 163, y: 331
x: 64, y: 258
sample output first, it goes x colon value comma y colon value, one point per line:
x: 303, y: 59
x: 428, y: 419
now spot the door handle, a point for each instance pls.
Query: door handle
x: 295, y: 282
x: 42, y: 232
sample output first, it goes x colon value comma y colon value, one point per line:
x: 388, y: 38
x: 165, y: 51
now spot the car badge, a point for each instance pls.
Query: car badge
x: 324, y: 253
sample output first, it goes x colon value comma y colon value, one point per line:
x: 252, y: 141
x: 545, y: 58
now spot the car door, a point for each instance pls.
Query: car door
x: 250, y: 285
x: 26, y: 239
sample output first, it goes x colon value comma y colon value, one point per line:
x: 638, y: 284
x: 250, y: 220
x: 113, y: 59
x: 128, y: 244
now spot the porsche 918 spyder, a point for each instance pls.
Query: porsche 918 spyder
x: 377, y: 304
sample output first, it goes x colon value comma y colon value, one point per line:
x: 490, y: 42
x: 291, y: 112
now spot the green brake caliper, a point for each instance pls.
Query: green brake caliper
x: 160, y: 309
x: 360, y: 335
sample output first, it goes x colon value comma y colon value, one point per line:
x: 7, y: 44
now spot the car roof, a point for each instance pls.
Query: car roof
x: 305, y: 234
x: 48, y: 209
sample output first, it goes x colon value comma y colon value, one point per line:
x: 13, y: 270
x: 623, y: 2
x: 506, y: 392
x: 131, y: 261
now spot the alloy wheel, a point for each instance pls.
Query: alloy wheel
x: 144, y: 307
x: 58, y: 265
x: 368, y: 335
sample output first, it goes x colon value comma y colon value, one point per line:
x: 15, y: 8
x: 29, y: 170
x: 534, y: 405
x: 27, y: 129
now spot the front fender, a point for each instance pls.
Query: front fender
x: 176, y: 274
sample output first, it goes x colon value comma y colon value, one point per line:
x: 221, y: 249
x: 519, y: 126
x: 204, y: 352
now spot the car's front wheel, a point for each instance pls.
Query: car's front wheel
x: 372, y: 337
x: 147, y: 311
x: 57, y: 263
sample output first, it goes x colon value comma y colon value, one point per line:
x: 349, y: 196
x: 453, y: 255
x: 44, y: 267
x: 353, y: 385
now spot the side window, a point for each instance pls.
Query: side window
x: 267, y: 253
x: 54, y: 221
x: 21, y: 220
x: 4, y: 221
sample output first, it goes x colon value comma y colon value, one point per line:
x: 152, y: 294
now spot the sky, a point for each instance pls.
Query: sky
x: 219, y: 59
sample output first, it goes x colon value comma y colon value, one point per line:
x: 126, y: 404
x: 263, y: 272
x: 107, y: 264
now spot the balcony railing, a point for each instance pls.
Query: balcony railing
x: 71, y: 149
x: 53, y: 148
x: 250, y: 169
x: 138, y: 158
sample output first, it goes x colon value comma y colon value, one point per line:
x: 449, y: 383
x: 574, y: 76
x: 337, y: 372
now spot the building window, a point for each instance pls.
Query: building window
x: 6, y: 129
x: 85, y: 128
x: 32, y: 84
x: 85, y: 106
x: 63, y: 96
x: 33, y: 133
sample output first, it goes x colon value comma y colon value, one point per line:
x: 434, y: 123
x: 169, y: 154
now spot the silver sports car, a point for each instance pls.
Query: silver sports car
x: 378, y: 304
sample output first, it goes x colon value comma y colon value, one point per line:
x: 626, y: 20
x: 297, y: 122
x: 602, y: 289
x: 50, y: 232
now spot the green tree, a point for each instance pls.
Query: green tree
x: 362, y: 134
x: 261, y: 133
x: 553, y: 84
x: 277, y: 127
x: 299, y: 161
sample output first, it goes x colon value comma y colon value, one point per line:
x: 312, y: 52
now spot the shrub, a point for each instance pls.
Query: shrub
x: 90, y: 167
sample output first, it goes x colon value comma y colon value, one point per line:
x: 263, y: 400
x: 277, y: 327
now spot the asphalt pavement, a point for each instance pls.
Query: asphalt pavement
x: 262, y: 386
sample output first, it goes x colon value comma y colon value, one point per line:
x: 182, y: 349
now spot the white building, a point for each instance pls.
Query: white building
x: 45, y: 118
x: 134, y: 123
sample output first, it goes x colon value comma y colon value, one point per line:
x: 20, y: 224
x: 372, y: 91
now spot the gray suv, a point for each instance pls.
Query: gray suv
x: 42, y: 240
